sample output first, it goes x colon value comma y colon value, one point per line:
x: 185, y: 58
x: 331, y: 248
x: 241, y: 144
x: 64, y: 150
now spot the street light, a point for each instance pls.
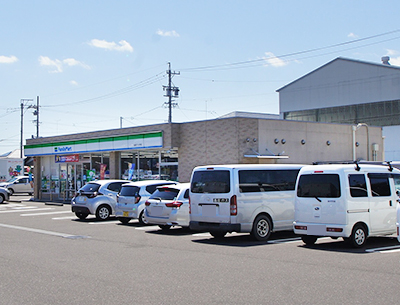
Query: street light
x: 355, y: 128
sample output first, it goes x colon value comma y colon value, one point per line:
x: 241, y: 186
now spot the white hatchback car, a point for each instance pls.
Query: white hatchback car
x: 132, y: 197
x: 18, y: 184
x: 169, y: 206
x: 97, y: 198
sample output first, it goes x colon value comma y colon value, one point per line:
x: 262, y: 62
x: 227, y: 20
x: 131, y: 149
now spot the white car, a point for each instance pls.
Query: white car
x: 97, y: 198
x: 132, y: 197
x: 169, y: 206
x: 18, y: 184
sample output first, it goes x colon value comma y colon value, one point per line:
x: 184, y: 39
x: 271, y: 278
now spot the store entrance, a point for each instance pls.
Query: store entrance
x: 72, y: 178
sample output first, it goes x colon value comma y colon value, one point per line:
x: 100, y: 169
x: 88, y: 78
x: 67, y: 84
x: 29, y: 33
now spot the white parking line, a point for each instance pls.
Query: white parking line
x: 47, y: 213
x: 66, y: 217
x: 104, y: 222
x: 37, y: 231
x: 19, y: 210
x: 285, y: 240
x: 389, y: 249
x: 151, y: 228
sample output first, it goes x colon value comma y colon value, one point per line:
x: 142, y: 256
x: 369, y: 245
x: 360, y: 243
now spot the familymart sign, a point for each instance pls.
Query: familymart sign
x: 137, y: 141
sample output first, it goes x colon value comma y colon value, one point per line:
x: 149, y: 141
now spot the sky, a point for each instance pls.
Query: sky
x: 100, y: 65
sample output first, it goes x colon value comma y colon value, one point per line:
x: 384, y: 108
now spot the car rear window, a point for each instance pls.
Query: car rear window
x: 165, y: 194
x: 129, y: 190
x: 90, y: 187
x: 319, y: 185
x: 211, y: 181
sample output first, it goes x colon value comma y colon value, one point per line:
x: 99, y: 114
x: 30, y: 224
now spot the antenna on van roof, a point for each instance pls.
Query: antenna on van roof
x: 357, y: 166
x: 390, y: 166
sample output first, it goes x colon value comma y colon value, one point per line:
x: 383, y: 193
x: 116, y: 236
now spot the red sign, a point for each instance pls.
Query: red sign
x: 67, y: 158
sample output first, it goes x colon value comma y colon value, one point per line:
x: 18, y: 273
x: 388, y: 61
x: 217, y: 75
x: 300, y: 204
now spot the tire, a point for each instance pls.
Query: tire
x: 2, y: 198
x: 11, y: 191
x: 165, y: 227
x: 142, y: 219
x: 218, y: 234
x: 103, y: 212
x: 81, y: 215
x: 124, y: 220
x: 261, y: 228
x: 358, y: 236
x: 309, y: 240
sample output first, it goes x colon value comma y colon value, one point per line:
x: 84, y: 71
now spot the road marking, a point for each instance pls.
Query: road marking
x: 64, y: 235
x: 104, y: 222
x: 47, y: 213
x: 19, y: 210
x: 285, y: 240
x: 147, y: 228
x: 66, y: 217
x: 389, y: 249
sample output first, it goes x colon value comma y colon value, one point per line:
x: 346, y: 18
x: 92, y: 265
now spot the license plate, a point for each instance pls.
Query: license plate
x: 156, y: 211
x: 81, y: 199
x: 125, y: 214
x: 209, y: 210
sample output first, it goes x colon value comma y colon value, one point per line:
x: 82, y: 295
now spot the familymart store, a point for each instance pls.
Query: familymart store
x: 65, y: 166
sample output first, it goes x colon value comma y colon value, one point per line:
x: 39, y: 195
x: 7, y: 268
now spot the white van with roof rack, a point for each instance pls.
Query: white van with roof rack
x: 252, y: 198
x: 352, y: 201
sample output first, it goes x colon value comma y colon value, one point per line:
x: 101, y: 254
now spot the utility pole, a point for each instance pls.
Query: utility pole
x: 22, y: 124
x: 171, y: 90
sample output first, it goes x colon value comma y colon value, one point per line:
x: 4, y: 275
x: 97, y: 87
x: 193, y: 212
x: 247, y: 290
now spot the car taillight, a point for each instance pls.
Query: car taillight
x: 137, y: 199
x: 300, y: 227
x: 175, y: 204
x: 233, y: 205
x: 334, y: 230
x: 147, y: 203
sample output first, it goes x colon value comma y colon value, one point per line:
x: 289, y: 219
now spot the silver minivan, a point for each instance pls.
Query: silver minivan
x: 253, y: 198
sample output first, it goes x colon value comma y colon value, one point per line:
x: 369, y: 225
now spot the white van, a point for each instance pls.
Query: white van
x: 254, y: 198
x: 352, y: 201
x: 398, y: 222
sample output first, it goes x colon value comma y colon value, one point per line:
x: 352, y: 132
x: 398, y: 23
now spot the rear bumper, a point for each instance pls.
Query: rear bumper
x: 79, y: 209
x: 316, y: 229
x: 213, y: 226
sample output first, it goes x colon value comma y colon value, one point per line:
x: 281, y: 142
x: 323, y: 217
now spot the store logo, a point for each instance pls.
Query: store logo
x: 62, y: 149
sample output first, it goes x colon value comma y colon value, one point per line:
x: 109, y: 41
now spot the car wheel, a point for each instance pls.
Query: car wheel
x: 30, y: 194
x: 261, y: 228
x: 103, y: 212
x: 309, y: 240
x: 218, y: 234
x: 142, y: 219
x: 358, y: 236
x: 124, y: 220
x: 2, y: 198
x: 11, y: 191
x: 165, y: 227
x: 81, y: 215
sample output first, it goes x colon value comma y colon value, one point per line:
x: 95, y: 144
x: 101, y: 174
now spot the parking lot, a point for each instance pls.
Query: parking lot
x: 49, y: 256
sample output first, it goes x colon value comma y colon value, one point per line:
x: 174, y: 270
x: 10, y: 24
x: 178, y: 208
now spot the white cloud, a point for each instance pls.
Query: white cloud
x: 8, y: 59
x: 73, y: 82
x: 122, y: 46
x: 394, y: 61
x: 352, y: 35
x: 271, y: 60
x: 167, y: 33
x: 391, y: 52
x: 59, y: 64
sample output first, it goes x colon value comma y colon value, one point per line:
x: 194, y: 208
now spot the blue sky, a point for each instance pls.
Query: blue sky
x: 93, y: 62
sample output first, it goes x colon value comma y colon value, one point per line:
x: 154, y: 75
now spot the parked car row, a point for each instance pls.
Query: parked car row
x: 351, y: 201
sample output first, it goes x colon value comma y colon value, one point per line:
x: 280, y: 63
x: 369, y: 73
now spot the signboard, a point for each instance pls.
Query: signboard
x: 67, y: 158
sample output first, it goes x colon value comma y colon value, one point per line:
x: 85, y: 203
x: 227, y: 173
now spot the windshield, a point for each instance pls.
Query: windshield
x: 12, y: 179
x: 129, y: 190
x: 90, y: 188
x: 319, y: 185
x: 165, y: 194
x: 211, y: 181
